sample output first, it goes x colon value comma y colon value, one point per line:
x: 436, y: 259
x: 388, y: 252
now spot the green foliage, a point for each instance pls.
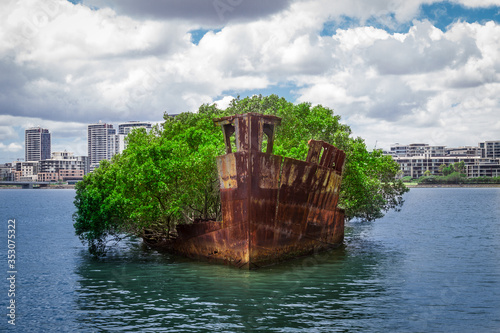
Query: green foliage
x: 441, y: 168
x: 427, y: 180
x: 483, y: 180
x: 100, y: 214
x: 173, y: 169
x: 448, y: 170
x: 457, y: 178
x: 458, y: 167
x: 163, y: 178
x: 169, y: 176
x: 451, y: 178
x: 300, y: 123
x: 369, y: 187
x: 407, y: 179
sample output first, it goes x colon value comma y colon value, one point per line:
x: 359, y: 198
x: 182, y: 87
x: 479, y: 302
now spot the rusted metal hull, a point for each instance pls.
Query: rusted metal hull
x: 273, y: 208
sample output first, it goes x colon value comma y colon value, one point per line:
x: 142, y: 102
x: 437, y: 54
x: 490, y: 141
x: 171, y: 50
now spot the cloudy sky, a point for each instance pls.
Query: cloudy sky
x: 395, y: 70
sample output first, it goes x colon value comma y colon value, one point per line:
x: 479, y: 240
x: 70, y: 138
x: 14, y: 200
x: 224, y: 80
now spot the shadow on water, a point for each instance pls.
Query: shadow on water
x: 135, y: 288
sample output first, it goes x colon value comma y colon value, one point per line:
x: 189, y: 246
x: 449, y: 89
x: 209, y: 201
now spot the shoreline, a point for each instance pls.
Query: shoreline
x: 455, y: 185
x: 52, y: 187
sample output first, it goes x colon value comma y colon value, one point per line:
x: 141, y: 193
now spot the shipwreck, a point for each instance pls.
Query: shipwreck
x: 273, y: 208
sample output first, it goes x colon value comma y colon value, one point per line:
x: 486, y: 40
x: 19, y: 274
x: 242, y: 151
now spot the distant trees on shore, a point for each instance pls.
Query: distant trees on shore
x: 452, y: 178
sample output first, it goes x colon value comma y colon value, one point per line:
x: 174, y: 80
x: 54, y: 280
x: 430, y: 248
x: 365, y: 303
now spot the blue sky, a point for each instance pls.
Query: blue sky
x: 395, y: 70
x: 440, y: 14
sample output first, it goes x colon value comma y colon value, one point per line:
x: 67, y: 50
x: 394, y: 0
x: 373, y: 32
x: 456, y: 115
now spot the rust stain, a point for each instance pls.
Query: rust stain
x: 273, y: 208
x: 227, y: 176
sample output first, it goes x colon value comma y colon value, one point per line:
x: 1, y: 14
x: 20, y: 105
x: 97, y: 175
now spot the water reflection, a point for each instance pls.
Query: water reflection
x: 138, y: 289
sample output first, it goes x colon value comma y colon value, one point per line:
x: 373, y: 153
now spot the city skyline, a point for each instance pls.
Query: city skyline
x: 396, y: 71
x: 127, y: 125
x: 122, y: 129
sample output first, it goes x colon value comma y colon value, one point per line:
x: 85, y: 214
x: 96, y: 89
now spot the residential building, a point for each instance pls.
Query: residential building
x: 104, y: 142
x: 71, y: 175
x: 37, y: 142
x: 125, y: 128
x: 6, y: 172
x: 61, y: 161
x: 120, y: 143
x: 463, y: 151
x: 48, y: 177
x: 398, y: 150
x: 62, y: 166
x: 416, y: 166
x: 16, y: 176
x: 490, y: 149
x: 417, y: 149
x: 62, y: 175
x: 416, y: 159
x: 484, y: 168
x: 101, y: 143
x: 27, y: 171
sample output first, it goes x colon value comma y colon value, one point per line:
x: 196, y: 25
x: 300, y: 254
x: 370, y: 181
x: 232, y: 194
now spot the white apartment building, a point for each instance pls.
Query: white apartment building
x: 27, y: 171
x: 64, y: 160
x: 490, y: 149
x: 415, y: 159
x: 124, y: 129
x: 100, y: 142
x: 417, y: 149
x: 104, y: 142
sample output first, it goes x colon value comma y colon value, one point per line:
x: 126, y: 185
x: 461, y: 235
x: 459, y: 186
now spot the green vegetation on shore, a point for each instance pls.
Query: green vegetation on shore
x: 169, y: 176
x: 452, y: 174
x: 455, y: 178
x: 451, y: 179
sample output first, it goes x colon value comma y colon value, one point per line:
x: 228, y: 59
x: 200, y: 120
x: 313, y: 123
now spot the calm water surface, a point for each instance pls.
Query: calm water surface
x: 433, y: 267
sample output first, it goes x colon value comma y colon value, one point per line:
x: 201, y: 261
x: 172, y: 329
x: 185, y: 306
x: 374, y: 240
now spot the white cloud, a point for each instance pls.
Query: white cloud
x: 70, y: 136
x: 65, y: 65
x: 224, y: 102
x: 7, y: 132
x: 424, y: 49
x: 13, y: 147
x: 108, y: 58
x: 425, y: 85
x: 477, y: 3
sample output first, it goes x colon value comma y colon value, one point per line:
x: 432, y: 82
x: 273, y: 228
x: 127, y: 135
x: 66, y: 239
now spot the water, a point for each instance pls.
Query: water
x: 434, y: 267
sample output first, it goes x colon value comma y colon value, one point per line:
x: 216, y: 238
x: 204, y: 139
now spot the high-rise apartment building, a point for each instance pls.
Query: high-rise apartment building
x: 37, y: 144
x: 101, y: 143
x: 125, y: 128
x: 104, y: 142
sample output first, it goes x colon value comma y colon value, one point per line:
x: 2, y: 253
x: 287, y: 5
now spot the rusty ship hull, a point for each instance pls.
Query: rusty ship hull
x: 273, y: 208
